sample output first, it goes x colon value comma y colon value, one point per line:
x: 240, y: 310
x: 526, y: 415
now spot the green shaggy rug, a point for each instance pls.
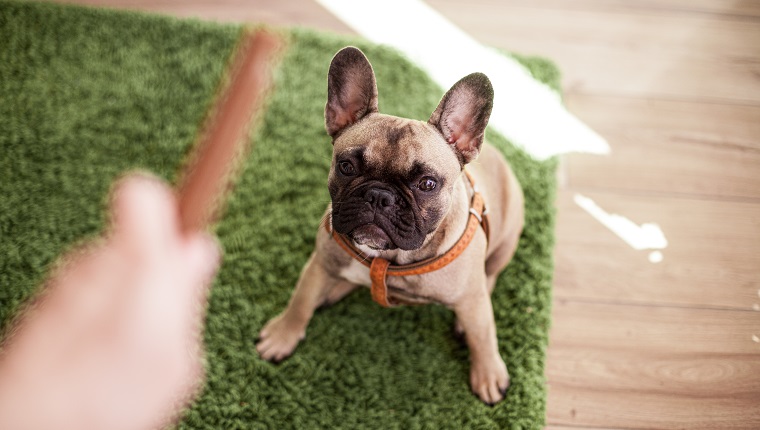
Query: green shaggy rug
x: 88, y: 94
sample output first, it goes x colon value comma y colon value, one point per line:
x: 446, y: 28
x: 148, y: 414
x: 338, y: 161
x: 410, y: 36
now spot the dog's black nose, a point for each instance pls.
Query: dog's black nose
x: 379, y: 198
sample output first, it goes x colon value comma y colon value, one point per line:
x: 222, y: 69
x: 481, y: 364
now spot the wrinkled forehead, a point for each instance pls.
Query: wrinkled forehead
x: 394, y: 145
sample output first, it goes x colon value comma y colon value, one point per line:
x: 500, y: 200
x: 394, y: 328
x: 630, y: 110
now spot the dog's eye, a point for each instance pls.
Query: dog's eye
x: 346, y: 168
x: 427, y: 184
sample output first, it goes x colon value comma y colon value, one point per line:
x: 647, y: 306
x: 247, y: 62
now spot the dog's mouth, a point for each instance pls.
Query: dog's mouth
x: 372, y: 236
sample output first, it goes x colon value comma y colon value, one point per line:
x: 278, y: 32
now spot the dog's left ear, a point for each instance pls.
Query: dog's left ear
x: 351, y: 90
x: 462, y: 115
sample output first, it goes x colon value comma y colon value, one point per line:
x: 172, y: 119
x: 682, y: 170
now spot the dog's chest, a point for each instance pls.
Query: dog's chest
x: 356, y: 273
x: 410, y: 289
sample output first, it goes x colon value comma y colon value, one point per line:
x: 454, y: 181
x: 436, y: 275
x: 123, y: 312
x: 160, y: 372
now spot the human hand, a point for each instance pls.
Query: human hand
x: 114, y: 341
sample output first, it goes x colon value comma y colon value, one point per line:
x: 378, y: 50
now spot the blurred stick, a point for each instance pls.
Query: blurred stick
x: 216, y: 157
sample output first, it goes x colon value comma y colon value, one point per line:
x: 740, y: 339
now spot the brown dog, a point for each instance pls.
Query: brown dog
x: 399, y: 192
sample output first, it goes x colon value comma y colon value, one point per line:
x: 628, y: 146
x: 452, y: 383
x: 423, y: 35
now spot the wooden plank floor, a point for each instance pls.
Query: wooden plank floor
x: 674, y: 85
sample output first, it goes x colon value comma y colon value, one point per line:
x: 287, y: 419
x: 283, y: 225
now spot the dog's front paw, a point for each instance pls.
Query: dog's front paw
x: 489, y: 380
x: 279, y: 338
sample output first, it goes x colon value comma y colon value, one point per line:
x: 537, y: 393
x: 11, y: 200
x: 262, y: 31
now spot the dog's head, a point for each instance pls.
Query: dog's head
x: 392, y: 178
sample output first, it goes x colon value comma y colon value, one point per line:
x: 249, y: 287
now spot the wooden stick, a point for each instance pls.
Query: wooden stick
x: 207, y: 177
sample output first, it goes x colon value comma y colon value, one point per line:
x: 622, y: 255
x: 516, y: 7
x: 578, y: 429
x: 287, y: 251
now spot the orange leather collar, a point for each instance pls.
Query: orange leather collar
x: 380, y: 268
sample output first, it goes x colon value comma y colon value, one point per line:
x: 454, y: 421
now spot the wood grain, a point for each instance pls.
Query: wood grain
x: 744, y: 10
x: 272, y: 12
x: 558, y: 427
x: 653, y: 367
x: 732, y: 124
x: 565, y: 427
x: 666, y: 147
x: 637, y: 53
x: 711, y: 259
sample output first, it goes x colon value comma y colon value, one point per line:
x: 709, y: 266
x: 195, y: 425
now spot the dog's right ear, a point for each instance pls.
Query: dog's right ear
x: 351, y: 90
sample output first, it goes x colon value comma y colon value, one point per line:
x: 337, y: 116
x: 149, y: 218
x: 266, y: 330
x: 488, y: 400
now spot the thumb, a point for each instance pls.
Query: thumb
x: 202, y: 257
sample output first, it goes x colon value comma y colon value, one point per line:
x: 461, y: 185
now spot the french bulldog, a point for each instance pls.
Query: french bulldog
x: 399, y: 191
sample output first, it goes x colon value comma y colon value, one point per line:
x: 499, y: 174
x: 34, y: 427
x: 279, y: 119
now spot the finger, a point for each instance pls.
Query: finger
x: 144, y: 213
x: 203, y: 256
